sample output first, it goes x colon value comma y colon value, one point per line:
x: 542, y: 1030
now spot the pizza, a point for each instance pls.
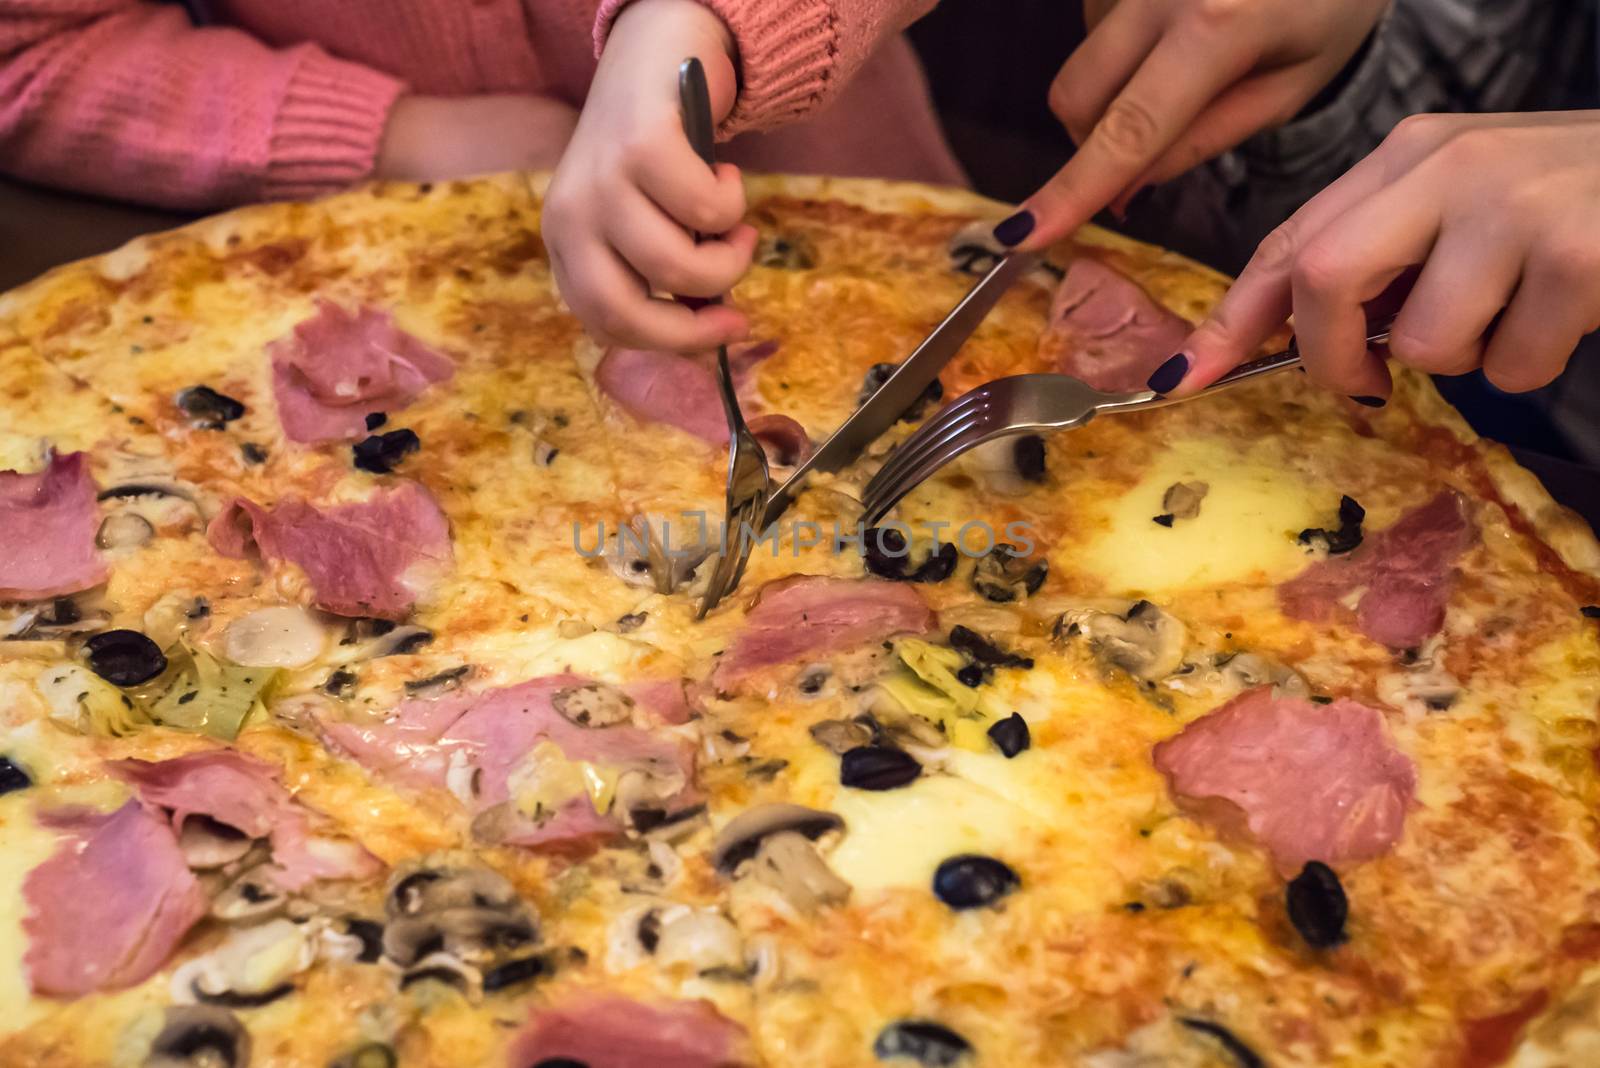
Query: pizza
x: 354, y: 712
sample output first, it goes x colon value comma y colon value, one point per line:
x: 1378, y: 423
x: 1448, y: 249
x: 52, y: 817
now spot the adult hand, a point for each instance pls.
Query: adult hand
x: 1159, y: 86
x: 619, y: 211
x: 1499, y: 211
x: 429, y: 138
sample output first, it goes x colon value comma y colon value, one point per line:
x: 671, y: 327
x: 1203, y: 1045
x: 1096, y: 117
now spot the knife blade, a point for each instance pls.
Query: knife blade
x: 884, y: 408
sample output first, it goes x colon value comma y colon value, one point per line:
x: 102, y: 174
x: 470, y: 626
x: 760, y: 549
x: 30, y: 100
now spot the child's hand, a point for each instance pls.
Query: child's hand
x: 630, y: 188
x: 1500, y: 212
x: 436, y: 137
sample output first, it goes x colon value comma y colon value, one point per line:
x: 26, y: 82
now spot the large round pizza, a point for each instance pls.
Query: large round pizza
x: 354, y: 712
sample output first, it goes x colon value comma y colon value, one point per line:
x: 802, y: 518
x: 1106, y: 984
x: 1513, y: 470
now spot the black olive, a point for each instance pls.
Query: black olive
x: 972, y: 881
x: 1591, y: 611
x: 1011, y: 735
x: 1027, y: 453
x: 63, y: 610
x: 370, y: 933
x: 253, y: 453
x: 1347, y: 537
x: 1242, y: 1054
x: 513, y: 972
x: 924, y: 1041
x: 342, y: 683
x: 877, y: 767
x: 1317, y: 905
x: 559, y: 1062
x: 983, y: 651
x: 381, y: 452
x: 1164, y: 520
x: 972, y: 676
x: 886, y: 554
x: 376, y: 419
x: 12, y: 777
x: 207, y: 409
x: 125, y: 657
x: 792, y: 253
x: 879, y: 373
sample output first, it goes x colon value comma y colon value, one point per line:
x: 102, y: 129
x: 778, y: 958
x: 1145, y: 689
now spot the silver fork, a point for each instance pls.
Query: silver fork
x: 1027, y: 404
x: 749, y: 481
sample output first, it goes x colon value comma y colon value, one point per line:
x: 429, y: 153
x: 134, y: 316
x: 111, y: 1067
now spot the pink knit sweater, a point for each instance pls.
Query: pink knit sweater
x: 288, y: 98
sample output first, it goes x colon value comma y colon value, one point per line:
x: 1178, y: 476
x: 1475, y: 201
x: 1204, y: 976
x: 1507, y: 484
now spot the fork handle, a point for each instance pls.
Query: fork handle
x: 694, y: 100
x: 1378, y: 333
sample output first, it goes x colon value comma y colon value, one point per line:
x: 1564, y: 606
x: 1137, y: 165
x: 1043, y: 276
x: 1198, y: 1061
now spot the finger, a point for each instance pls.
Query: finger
x: 667, y: 258
x: 1468, y: 278
x: 1551, y: 311
x: 1158, y: 103
x: 1243, y: 110
x: 613, y: 303
x: 692, y: 194
x: 1098, y: 68
x: 1350, y: 262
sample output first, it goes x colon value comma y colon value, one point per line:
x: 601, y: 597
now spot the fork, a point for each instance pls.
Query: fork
x: 1025, y: 404
x: 749, y: 481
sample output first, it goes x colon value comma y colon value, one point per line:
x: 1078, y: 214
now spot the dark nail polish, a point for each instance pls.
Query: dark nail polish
x: 1371, y: 402
x: 1014, y: 230
x: 1169, y: 374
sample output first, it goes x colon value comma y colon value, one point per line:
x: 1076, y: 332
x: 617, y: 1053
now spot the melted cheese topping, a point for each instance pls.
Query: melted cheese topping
x: 1246, y: 529
x: 25, y: 845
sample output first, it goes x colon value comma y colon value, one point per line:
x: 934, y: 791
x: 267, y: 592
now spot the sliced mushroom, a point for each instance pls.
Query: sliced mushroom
x: 208, y: 844
x: 1182, y: 500
x: 428, y: 889
x: 373, y: 639
x: 593, y: 704
x: 790, y: 252
x: 199, y: 1036
x: 740, y: 840
x: 701, y: 939
x: 279, y: 636
x: 1005, y: 574
x: 1010, y: 465
x: 657, y: 553
x: 471, y: 935
x: 1420, y: 691
x: 254, y: 896
x: 839, y: 736
x: 446, y: 969
x: 789, y: 863
x: 1244, y: 671
x: 252, y: 966
x: 1145, y: 642
x: 647, y: 789
x: 974, y: 251
x: 123, y: 531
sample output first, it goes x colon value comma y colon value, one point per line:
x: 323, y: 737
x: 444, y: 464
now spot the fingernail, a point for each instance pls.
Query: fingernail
x: 1169, y: 374
x: 1371, y: 402
x: 1014, y: 230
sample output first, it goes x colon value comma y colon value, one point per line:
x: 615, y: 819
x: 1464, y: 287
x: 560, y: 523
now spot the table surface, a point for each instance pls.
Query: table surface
x: 41, y: 228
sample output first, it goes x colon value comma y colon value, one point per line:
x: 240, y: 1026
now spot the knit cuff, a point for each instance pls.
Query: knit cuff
x: 787, y: 52
x: 328, y: 127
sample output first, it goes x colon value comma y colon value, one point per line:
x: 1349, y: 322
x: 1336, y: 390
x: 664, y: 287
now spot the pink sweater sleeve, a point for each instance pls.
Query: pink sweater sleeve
x: 128, y: 100
x: 793, y: 54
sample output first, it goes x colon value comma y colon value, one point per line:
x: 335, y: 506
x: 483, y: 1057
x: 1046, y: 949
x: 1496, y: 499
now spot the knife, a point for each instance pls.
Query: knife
x: 890, y: 400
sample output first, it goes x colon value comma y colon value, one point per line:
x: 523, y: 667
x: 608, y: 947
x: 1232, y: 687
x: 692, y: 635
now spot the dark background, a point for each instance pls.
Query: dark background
x: 997, y: 120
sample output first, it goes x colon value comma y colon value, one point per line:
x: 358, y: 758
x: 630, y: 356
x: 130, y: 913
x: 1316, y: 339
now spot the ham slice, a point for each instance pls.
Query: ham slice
x: 243, y: 793
x: 475, y: 743
x: 1308, y: 781
x: 1107, y: 331
x: 372, y: 558
x: 337, y: 367
x: 660, y: 387
x: 605, y: 1031
x: 812, y: 616
x: 1406, y: 574
x: 108, y: 908
x: 48, y: 522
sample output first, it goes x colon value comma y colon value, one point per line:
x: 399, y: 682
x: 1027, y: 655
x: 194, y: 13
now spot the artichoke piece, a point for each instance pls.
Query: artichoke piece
x: 207, y: 696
